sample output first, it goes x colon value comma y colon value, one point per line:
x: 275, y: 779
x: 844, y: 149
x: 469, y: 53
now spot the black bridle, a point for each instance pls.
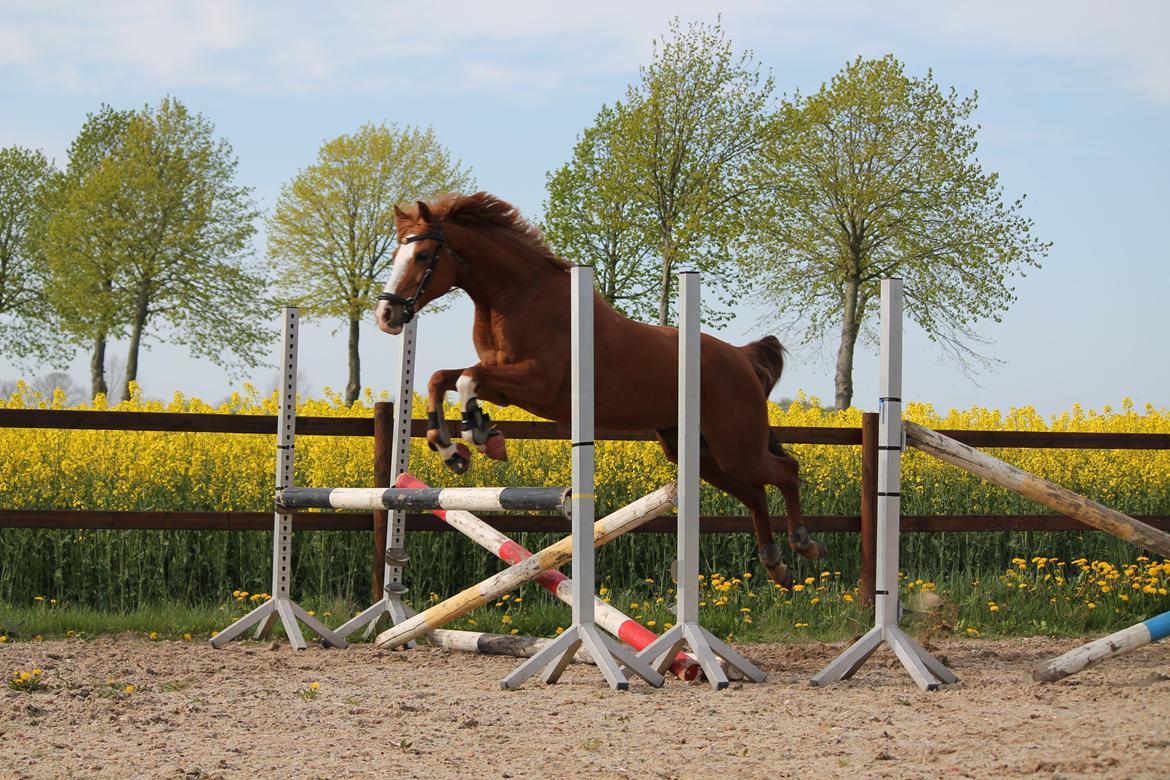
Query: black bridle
x: 408, y: 304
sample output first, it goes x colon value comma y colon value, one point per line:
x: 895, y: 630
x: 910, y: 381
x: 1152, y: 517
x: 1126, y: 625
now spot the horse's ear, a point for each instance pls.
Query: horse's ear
x: 424, y: 212
x: 399, y: 213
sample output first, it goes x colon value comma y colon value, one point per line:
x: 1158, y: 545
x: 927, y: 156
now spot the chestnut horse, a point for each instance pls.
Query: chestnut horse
x: 483, y: 246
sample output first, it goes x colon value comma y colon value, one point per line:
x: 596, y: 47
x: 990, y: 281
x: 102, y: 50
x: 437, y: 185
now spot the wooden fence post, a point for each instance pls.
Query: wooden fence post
x: 869, y: 461
x: 383, y: 443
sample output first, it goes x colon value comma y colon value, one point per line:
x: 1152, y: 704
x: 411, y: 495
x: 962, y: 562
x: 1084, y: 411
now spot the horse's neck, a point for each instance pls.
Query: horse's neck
x: 503, y: 273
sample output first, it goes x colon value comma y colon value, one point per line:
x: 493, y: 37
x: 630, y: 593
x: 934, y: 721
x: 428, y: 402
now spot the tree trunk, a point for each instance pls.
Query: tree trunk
x: 97, y: 367
x: 141, y: 312
x: 843, y: 382
x: 354, y: 386
x: 664, y: 289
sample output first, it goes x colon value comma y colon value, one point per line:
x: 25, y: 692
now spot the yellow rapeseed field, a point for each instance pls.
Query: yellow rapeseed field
x: 105, y: 470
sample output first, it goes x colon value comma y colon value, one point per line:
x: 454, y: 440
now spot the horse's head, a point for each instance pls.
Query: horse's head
x: 425, y: 268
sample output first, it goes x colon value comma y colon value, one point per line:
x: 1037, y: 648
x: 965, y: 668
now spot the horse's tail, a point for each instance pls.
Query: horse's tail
x: 767, y: 357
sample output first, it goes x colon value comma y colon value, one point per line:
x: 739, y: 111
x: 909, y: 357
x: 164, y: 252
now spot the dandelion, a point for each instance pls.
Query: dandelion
x: 314, y: 686
x: 506, y: 619
x: 129, y: 689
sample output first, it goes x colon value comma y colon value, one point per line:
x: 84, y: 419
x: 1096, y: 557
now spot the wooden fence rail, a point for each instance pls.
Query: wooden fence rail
x: 378, y: 427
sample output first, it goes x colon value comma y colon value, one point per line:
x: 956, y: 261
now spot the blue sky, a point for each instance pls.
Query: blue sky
x: 1074, y: 110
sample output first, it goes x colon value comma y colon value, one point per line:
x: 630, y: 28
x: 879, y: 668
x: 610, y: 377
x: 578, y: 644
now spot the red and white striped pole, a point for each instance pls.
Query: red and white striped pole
x: 608, y: 616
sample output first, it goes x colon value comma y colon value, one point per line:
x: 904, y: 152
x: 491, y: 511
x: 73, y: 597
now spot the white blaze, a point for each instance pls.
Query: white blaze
x: 402, y: 257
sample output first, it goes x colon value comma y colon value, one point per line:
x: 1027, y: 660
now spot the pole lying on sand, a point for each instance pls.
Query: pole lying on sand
x: 1118, y: 643
x: 608, y: 616
x: 485, y: 643
x: 605, y: 530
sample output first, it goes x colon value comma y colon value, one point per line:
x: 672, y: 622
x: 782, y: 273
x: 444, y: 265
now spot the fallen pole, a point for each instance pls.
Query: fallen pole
x: 486, y: 643
x: 608, y: 616
x: 1037, y: 489
x: 1115, y: 644
x: 605, y: 530
x: 472, y: 499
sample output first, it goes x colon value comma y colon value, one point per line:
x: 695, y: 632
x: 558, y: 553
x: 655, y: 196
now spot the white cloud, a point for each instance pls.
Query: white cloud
x: 281, y: 47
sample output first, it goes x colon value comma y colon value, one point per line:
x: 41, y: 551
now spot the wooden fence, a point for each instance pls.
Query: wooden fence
x: 380, y: 429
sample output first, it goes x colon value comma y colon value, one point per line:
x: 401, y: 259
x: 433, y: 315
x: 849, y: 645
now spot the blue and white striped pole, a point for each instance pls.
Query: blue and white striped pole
x: 1115, y: 644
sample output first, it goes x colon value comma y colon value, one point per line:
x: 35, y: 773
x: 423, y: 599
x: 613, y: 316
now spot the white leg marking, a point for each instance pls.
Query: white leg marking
x: 466, y: 387
x: 445, y: 452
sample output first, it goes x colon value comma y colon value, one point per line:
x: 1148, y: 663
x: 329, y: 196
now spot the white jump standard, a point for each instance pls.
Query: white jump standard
x: 281, y: 604
x: 926, y: 670
x: 390, y: 606
x: 606, y: 652
x: 704, y: 646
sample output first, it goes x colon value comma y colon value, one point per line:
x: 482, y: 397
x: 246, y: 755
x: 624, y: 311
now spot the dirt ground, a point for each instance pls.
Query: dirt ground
x: 242, y: 711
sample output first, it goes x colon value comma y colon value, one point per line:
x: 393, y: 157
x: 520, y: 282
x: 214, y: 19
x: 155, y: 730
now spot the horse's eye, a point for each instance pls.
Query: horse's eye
x: 422, y: 257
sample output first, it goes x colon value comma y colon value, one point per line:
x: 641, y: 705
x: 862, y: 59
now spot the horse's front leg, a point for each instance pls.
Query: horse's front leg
x: 455, y: 455
x: 521, y: 383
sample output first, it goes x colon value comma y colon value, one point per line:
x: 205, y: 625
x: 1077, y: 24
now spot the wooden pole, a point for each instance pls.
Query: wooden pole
x: 869, y: 463
x: 383, y: 475
x: 1037, y: 489
x: 604, y: 530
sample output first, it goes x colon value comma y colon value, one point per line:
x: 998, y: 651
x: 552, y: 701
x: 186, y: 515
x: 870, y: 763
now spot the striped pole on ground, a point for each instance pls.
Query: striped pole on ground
x: 608, y: 616
x: 1115, y: 644
x: 471, y: 499
x: 605, y: 530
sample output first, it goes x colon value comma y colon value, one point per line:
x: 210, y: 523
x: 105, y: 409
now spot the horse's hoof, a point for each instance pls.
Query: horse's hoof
x: 780, y: 575
x: 460, y: 460
x: 495, y: 447
x: 770, y: 557
x: 812, y: 550
x: 805, y: 545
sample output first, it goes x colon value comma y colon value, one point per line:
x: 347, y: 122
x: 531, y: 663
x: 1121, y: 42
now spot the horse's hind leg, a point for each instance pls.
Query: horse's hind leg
x: 752, y: 496
x: 785, y: 476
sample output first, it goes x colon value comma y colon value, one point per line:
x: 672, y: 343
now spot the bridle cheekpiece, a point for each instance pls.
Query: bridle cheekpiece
x: 408, y: 304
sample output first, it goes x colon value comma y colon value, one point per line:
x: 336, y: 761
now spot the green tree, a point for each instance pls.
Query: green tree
x: 169, y: 231
x: 876, y: 176
x: 677, y: 152
x: 590, y: 217
x: 75, y: 240
x: 333, y: 232
x: 27, y: 329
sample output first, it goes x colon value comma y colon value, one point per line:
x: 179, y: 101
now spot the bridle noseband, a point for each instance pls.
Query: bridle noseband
x: 408, y: 304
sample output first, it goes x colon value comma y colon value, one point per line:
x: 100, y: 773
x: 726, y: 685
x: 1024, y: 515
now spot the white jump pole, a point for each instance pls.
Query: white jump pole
x: 686, y: 630
x: 390, y: 605
x: 926, y: 671
x: 281, y: 604
x: 1117, y: 643
x: 606, y: 652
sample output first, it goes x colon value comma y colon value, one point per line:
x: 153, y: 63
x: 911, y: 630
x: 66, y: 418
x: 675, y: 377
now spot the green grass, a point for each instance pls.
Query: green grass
x: 1031, y: 596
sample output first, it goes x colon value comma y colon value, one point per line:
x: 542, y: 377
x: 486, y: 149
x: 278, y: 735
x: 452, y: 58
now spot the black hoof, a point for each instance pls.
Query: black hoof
x: 458, y: 464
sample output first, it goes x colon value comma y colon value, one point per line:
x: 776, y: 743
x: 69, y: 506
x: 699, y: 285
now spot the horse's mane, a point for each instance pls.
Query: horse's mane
x: 481, y: 209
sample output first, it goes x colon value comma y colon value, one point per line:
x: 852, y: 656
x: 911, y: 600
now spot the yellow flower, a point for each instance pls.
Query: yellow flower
x: 314, y: 686
x: 506, y: 619
x: 129, y: 689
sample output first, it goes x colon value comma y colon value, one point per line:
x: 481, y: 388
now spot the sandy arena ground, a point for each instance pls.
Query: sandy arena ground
x: 198, y: 713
